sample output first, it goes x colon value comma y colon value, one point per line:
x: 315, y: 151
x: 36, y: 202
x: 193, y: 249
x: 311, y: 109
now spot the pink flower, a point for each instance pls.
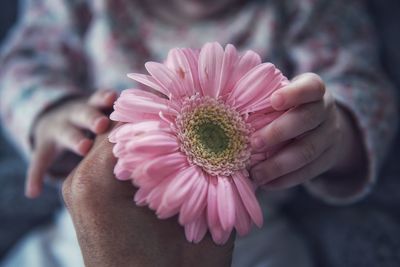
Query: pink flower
x: 188, y: 152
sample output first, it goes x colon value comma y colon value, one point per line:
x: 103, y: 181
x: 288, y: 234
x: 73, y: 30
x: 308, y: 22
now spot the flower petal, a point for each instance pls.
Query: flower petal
x: 196, y: 230
x: 153, y: 145
x: 251, y: 85
x: 255, y: 87
x: 244, y: 64
x: 123, y: 116
x: 152, y: 171
x: 127, y: 131
x: 219, y: 235
x: 155, y: 196
x: 212, y: 209
x: 126, y: 165
x: 178, y: 62
x: 148, y: 81
x: 225, y: 203
x: 167, y: 79
x: 196, y: 202
x: 179, y: 188
x: 134, y: 101
x: 210, y: 64
x: 192, y: 56
x: 242, y: 218
x: 265, y: 103
x: 141, y: 196
x: 121, y: 172
x: 228, y: 64
x: 259, y: 120
x: 246, y: 192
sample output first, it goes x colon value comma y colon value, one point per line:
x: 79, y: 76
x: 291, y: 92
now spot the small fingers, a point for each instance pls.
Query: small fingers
x: 73, y: 139
x: 103, y: 99
x: 304, y: 174
x: 295, y: 155
x: 290, y: 125
x: 305, y: 88
x: 90, y: 118
x: 41, y: 159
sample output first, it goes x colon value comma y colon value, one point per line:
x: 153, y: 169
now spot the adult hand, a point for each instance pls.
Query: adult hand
x: 113, y: 231
x: 320, y: 135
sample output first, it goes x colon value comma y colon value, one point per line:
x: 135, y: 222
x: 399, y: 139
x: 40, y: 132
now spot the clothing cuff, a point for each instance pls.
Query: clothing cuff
x: 347, y: 190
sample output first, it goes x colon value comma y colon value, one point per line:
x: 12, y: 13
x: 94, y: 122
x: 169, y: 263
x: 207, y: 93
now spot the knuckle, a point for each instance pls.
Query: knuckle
x: 73, y: 136
x: 275, y: 169
x: 81, y: 182
x: 90, y: 115
x: 276, y: 133
x: 307, y: 116
x: 82, y: 186
x: 308, y: 152
x: 318, y: 83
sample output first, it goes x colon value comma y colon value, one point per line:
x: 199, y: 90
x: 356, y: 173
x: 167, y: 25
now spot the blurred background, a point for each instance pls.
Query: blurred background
x: 18, y: 215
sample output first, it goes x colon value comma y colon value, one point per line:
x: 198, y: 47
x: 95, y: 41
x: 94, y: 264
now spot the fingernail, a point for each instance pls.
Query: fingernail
x: 277, y: 100
x: 99, y: 121
x: 84, y: 146
x: 257, y: 142
x: 101, y: 125
x: 31, y: 192
x: 109, y: 94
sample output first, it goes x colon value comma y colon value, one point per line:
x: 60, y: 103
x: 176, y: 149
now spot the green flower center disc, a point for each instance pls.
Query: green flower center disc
x: 212, y: 137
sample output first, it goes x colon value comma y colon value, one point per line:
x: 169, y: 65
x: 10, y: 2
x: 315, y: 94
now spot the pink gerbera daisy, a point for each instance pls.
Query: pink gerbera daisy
x: 187, y: 147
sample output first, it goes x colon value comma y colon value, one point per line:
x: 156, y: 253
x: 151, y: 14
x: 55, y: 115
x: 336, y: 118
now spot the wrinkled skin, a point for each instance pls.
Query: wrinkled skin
x: 113, y: 231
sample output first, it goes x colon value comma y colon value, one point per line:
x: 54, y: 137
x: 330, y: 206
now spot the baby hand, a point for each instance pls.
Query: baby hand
x: 63, y: 128
x: 321, y: 136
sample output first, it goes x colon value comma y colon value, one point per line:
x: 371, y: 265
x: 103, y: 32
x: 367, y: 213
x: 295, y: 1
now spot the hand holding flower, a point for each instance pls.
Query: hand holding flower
x: 320, y: 136
x: 189, y: 151
x: 113, y: 231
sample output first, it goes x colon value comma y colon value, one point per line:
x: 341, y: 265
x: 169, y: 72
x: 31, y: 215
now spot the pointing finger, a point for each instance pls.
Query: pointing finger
x: 41, y: 160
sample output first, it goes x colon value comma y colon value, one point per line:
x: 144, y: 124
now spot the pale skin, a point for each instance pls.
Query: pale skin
x: 62, y: 128
x: 321, y: 136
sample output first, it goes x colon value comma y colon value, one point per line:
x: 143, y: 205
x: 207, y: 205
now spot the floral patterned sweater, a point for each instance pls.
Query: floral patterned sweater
x: 63, y: 48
